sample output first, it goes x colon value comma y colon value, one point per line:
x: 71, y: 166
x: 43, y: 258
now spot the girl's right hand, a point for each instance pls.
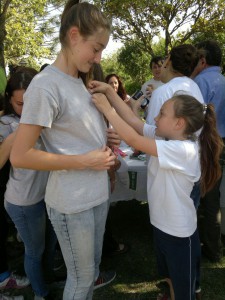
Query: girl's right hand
x: 100, y: 159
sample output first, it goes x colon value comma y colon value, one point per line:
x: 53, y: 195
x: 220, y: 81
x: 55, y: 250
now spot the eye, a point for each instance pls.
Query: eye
x: 96, y: 50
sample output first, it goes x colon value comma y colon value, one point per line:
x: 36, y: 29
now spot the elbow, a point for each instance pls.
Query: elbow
x: 15, y: 160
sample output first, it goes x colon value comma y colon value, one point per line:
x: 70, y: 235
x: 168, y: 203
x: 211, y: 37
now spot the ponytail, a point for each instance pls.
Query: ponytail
x: 211, y: 146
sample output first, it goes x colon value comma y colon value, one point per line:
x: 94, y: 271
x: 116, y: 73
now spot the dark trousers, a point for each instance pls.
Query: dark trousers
x: 4, y: 175
x: 209, y: 221
x: 3, y: 236
x: 177, y: 259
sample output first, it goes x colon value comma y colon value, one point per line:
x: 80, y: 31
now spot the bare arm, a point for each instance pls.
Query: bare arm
x: 5, y: 148
x: 24, y: 155
x: 126, y: 132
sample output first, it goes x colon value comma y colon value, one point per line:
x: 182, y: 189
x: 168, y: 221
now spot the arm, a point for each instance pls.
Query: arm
x: 24, y: 155
x: 5, y: 148
x: 126, y: 132
x: 122, y: 108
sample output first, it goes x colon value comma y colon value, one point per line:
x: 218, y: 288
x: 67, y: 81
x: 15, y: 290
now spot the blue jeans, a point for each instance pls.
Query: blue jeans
x: 32, y: 224
x: 80, y: 236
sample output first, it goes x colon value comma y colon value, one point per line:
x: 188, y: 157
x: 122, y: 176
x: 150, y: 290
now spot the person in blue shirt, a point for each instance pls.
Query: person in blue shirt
x: 211, y: 82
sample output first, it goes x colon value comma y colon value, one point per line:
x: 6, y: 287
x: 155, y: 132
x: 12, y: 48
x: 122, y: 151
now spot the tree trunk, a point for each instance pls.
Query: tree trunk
x: 2, y: 39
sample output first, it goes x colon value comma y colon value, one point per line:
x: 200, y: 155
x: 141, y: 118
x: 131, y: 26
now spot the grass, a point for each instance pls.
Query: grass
x: 137, y: 276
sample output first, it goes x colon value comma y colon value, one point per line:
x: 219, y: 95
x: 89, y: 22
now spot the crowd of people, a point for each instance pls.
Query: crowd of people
x: 60, y: 130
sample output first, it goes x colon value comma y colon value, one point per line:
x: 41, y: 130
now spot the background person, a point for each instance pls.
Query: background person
x: 25, y: 192
x: 211, y: 82
x: 175, y: 73
x: 155, y: 82
x: 116, y: 83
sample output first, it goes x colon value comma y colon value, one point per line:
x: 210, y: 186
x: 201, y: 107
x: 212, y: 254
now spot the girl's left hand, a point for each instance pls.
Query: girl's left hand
x: 101, y: 102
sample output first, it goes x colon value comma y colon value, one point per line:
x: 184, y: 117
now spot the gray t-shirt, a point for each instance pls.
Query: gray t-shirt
x: 24, y: 187
x: 72, y: 125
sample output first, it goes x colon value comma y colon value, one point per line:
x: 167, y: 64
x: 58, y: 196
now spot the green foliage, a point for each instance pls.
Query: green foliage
x: 131, y: 63
x: 176, y: 21
x: 27, y: 30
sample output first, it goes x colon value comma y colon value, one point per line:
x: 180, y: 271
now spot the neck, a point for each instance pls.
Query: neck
x: 62, y: 63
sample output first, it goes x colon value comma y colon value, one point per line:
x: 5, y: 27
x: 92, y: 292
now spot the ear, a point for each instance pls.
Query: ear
x: 180, y: 123
x: 73, y: 35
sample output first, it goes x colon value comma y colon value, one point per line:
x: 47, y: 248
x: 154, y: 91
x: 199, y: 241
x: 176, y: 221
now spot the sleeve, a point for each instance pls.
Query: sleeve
x: 203, y: 86
x: 149, y: 131
x: 172, y: 155
x: 40, y: 107
x: 5, y: 130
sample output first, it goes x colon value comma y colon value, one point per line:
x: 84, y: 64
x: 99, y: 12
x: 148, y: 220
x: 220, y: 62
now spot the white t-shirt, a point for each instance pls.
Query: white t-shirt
x: 24, y: 187
x: 155, y: 83
x: 171, y: 177
x: 167, y: 90
x: 72, y: 125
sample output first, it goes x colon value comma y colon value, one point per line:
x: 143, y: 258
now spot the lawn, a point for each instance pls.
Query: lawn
x: 137, y: 276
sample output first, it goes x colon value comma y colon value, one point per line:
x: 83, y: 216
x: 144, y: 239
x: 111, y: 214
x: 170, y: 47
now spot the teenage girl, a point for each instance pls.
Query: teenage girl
x: 58, y: 107
x: 24, y: 196
x: 116, y: 83
x: 178, y: 160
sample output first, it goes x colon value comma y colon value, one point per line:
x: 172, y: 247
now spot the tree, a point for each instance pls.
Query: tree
x: 175, y: 20
x: 25, y: 29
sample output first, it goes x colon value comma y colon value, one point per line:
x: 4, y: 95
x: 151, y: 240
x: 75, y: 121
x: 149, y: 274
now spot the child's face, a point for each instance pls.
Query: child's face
x: 17, y: 101
x: 166, y: 121
x: 87, y: 51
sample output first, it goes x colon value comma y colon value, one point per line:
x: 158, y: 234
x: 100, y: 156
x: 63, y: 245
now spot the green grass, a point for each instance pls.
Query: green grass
x: 137, y: 276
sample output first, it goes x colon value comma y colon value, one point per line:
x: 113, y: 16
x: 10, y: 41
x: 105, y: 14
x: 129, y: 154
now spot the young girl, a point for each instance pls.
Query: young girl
x: 58, y: 107
x: 24, y: 196
x: 177, y: 161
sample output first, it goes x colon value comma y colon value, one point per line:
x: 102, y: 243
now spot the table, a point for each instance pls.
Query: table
x: 131, y: 178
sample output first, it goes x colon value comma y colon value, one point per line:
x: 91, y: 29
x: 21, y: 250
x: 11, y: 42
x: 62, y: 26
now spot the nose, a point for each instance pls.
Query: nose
x: 98, y: 57
x: 156, y: 118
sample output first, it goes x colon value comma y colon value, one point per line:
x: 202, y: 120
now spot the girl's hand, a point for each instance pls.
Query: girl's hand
x: 113, y: 139
x: 100, y: 159
x: 101, y: 102
x: 98, y: 87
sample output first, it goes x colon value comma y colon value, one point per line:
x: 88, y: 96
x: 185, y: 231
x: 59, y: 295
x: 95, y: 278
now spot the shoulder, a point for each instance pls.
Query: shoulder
x: 8, y: 119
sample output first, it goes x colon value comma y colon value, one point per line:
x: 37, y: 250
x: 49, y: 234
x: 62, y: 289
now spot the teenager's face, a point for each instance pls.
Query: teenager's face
x: 17, y: 101
x: 113, y: 81
x: 156, y: 70
x: 166, y: 120
x: 87, y: 51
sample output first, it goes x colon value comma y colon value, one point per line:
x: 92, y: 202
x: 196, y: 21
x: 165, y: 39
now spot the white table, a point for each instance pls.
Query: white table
x: 131, y: 179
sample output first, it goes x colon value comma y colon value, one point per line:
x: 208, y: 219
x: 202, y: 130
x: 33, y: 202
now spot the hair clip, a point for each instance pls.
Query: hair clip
x: 204, y: 108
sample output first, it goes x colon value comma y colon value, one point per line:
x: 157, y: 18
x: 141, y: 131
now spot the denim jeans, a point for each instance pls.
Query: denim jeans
x: 80, y: 236
x: 32, y: 224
